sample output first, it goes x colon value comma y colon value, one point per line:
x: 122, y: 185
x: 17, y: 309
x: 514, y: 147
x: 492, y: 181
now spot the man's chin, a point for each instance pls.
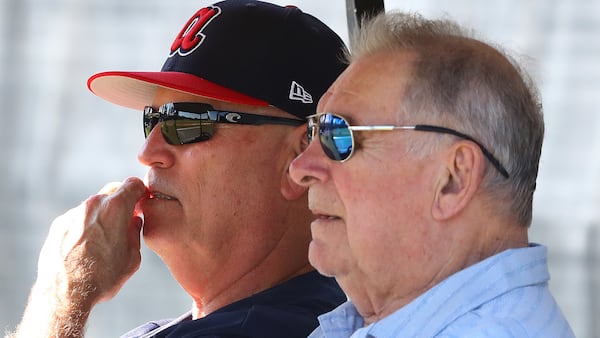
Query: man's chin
x: 156, y: 225
x: 317, y: 257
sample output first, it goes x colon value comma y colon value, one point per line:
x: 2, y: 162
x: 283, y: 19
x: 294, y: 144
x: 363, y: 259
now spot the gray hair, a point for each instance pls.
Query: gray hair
x: 463, y: 83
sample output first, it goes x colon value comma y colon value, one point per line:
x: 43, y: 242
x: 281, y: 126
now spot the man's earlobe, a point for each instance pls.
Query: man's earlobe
x: 459, y: 181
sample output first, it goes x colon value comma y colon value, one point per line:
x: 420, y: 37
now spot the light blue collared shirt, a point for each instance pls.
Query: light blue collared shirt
x: 505, y: 295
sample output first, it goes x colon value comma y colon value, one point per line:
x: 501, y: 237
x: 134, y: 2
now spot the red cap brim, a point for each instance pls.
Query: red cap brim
x: 136, y: 89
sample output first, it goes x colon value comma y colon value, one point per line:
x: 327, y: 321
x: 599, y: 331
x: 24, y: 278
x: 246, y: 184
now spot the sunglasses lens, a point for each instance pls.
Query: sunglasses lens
x: 150, y: 120
x: 183, y: 131
x: 335, y: 137
x: 177, y: 129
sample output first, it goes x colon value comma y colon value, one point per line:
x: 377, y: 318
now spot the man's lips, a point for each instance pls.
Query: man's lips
x: 151, y: 199
x: 160, y: 195
x: 322, y: 214
x: 326, y: 217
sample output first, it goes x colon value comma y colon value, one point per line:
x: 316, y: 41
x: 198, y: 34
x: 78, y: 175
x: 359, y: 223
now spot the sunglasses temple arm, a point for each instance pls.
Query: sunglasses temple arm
x: 486, y: 153
x: 275, y: 120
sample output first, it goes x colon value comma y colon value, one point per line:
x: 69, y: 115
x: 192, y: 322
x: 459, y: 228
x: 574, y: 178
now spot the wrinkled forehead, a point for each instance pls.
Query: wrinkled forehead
x: 371, y: 88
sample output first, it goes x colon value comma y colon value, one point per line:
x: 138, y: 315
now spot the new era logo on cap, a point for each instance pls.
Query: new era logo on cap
x: 298, y: 93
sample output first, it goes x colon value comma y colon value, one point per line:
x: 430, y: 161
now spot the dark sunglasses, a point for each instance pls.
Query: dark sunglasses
x: 190, y: 122
x: 337, y: 140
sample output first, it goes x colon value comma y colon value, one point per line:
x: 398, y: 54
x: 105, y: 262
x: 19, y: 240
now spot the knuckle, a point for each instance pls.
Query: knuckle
x: 94, y: 201
x: 131, y: 190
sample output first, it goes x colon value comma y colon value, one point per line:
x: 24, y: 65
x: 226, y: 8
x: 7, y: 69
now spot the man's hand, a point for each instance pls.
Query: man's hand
x: 90, y: 252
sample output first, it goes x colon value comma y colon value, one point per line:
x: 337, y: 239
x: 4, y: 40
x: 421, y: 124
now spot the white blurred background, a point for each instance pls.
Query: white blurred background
x: 59, y: 143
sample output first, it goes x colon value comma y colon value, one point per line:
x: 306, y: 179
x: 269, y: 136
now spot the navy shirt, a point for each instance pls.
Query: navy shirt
x: 285, y: 311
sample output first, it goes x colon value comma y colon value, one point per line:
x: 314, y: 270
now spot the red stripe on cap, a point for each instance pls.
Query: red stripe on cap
x: 136, y: 89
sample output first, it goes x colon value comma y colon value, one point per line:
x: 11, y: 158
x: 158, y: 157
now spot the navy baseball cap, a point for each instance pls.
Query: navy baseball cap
x: 239, y: 51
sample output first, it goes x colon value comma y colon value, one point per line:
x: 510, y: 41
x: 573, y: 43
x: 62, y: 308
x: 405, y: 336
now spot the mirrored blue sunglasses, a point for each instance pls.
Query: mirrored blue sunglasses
x: 336, y: 136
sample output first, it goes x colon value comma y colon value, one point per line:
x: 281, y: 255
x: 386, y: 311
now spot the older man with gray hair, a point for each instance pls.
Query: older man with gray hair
x: 421, y: 177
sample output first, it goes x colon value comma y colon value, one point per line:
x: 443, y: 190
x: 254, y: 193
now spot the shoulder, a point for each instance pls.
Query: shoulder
x: 506, y: 328
x: 526, y: 312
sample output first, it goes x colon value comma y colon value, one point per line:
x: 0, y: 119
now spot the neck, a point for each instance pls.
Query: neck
x: 246, y: 286
x: 455, y: 251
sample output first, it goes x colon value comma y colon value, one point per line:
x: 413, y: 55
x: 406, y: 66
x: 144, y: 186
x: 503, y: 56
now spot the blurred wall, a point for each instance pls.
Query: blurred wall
x: 59, y: 143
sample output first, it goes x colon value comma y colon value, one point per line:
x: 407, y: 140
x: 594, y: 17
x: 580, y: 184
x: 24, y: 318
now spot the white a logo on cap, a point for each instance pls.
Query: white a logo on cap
x: 298, y: 93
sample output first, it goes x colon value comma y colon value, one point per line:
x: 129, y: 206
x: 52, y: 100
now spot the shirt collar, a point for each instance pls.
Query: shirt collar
x: 458, y: 294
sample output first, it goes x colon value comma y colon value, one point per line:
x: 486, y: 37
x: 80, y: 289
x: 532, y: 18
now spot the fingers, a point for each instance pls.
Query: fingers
x: 126, y: 194
x: 134, y: 229
x: 130, y: 188
x: 131, y: 185
x: 118, y: 199
x: 109, y: 188
x: 103, y: 230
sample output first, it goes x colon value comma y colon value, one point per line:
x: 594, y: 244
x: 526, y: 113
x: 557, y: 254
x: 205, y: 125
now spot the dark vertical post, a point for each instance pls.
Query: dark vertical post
x: 357, y: 10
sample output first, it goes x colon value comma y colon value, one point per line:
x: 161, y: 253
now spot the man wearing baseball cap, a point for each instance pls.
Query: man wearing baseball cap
x: 223, y: 119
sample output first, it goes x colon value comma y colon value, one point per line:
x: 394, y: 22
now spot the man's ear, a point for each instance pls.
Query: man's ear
x: 459, y: 180
x: 297, y: 143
